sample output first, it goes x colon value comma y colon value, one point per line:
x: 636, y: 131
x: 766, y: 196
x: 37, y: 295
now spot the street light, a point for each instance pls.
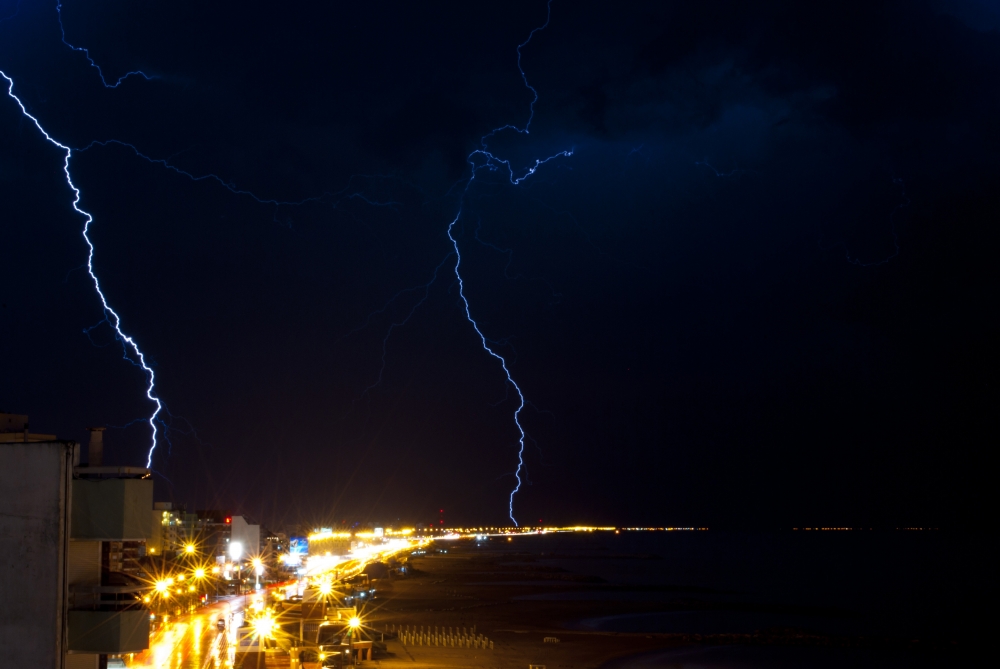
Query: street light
x: 352, y: 624
x: 189, y: 549
x: 264, y: 626
x: 258, y: 566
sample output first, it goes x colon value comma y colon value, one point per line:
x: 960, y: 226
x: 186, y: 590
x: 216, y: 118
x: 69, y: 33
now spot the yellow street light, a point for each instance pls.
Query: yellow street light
x: 189, y: 549
x: 264, y: 626
x: 199, y: 573
x: 354, y: 623
x: 161, y: 586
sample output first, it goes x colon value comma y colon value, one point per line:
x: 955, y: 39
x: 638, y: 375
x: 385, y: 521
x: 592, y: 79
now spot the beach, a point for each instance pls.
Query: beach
x: 593, y: 602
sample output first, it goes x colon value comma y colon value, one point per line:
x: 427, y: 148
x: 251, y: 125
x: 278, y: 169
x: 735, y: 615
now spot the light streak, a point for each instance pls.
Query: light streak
x: 86, y: 53
x: 114, y: 320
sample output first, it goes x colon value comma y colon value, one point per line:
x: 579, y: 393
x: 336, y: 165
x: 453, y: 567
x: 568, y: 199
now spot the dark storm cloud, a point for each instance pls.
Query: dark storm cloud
x: 756, y: 293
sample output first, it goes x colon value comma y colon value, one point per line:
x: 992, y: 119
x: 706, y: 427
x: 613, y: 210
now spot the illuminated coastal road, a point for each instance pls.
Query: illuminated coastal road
x: 193, y: 641
x: 189, y: 642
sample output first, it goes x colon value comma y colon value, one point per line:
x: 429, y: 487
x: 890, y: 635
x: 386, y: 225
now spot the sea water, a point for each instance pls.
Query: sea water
x: 920, y: 587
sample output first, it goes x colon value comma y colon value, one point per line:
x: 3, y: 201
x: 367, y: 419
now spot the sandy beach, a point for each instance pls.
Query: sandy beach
x: 556, y: 608
x: 472, y: 587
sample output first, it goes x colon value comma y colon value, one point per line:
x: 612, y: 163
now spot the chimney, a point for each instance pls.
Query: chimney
x: 95, y: 451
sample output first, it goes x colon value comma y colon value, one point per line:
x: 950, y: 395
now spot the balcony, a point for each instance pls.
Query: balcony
x: 109, y: 630
x: 115, y: 509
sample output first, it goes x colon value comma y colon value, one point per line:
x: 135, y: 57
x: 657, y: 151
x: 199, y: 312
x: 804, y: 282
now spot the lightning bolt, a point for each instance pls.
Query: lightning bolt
x: 112, y: 317
x: 503, y: 364
x: 110, y: 314
x: 492, y: 162
x: 86, y: 53
x: 483, y: 158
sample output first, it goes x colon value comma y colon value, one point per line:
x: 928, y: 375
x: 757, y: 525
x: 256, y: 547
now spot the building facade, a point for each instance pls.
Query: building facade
x: 70, y: 539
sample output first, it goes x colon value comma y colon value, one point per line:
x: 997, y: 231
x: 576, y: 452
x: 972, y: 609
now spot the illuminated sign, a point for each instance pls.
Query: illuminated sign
x: 298, y: 545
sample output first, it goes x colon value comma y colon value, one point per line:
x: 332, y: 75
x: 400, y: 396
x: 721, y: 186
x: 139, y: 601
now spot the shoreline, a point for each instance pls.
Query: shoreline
x: 516, y: 600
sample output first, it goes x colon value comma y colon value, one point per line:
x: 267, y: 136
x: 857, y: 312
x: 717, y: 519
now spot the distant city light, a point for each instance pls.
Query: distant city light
x: 236, y: 550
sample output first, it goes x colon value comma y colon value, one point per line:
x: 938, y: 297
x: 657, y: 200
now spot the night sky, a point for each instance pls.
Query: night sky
x: 760, y: 292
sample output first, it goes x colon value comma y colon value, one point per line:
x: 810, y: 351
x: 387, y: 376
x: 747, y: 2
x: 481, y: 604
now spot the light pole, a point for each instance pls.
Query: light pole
x: 236, y: 552
x: 352, y: 624
x: 258, y: 566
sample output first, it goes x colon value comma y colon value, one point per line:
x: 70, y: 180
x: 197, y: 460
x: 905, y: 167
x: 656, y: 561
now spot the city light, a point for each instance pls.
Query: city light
x: 199, y: 573
x: 354, y: 623
x: 189, y: 549
x: 236, y: 550
x: 264, y: 627
x: 162, y: 586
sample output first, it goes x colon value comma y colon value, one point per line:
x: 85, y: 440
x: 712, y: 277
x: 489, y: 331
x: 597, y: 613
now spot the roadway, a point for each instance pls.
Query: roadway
x: 191, y: 641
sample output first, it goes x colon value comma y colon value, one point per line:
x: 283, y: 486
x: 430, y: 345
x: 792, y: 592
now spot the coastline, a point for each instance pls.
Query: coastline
x: 516, y: 594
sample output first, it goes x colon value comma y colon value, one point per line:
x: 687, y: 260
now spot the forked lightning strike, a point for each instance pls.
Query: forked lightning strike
x: 110, y: 314
x: 492, y: 163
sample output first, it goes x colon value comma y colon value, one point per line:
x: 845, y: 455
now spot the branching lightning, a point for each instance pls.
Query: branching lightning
x: 493, y: 163
x: 396, y: 324
x: 483, y: 158
x: 110, y: 314
x: 86, y: 53
x: 480, y: 158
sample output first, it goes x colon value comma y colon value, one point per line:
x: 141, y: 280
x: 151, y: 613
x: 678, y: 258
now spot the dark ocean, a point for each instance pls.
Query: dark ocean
x: 892, y: 594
